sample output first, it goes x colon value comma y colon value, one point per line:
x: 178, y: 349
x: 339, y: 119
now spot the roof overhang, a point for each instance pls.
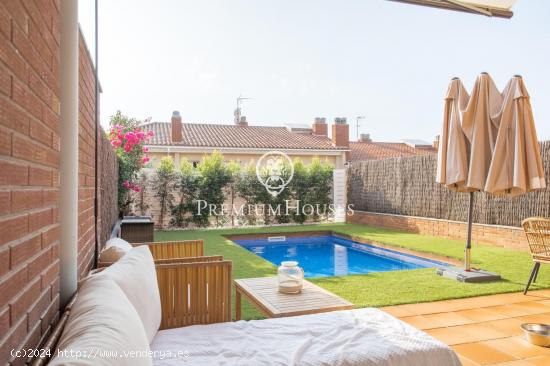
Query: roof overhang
x: 240, y: 150
x: 492, y: 8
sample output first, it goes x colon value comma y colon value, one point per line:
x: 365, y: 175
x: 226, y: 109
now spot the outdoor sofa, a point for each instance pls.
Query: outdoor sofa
x: 144, y: 311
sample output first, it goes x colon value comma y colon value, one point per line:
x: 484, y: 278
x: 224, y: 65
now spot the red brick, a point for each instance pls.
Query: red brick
x: 50, y: 197
x: 5, y: 26
x: 4, y: 320
x: 13, y: 174
x: 41, y: 133
x: 5, y: 141
x: 40, y: 306
x: 11, y: 284
x: 40, y: 177
x: 21, y: 252
x: 5, y: 202
x: 29, y: 150
x: 30, y: 342
x: 4, y: 261
x: 39, y: 263
x: 13, y: 228
x: 23, y: 200
x: 26, y: 99
x: 13, y: 339
x: 50, y: 236
x: 20, y: 305
x: 13, y: 117
x: 5, y: 81
x: 50, y: 275
x: 41, y: 219
x: 51, y: 313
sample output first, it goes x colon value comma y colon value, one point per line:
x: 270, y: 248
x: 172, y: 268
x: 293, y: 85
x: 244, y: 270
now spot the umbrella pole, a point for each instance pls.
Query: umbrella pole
x: 467, y: 251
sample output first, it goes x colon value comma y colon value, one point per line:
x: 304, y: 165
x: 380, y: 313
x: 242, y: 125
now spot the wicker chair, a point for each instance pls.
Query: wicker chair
x: 537, y: 230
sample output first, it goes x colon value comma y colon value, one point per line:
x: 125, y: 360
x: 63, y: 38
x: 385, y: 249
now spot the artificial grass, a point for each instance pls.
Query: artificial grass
x: 382, y: 288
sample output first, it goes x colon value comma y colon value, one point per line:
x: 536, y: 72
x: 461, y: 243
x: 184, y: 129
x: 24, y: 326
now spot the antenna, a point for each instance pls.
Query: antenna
x: 238, y: 110
x: 357, y: 124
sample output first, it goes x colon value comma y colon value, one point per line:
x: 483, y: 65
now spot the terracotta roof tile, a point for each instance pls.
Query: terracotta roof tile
x: 232, y: 136
x: 382, y: 150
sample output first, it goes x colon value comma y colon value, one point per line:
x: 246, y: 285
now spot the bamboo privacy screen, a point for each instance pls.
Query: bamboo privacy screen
x: 406, y: 186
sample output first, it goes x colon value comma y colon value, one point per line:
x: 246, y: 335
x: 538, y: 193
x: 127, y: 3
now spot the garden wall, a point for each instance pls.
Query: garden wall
x: 29, y: 172
x: 406, y: 186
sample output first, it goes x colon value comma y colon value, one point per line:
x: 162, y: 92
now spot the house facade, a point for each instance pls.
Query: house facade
x: 244, y: 144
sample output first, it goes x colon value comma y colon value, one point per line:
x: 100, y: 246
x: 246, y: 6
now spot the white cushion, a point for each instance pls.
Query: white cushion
x: 115, y: 249
x: 135, y: 274
x: 102, y: 323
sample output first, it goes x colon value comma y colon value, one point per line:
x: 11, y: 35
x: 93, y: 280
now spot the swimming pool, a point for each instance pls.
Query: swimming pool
x: 322, y: 256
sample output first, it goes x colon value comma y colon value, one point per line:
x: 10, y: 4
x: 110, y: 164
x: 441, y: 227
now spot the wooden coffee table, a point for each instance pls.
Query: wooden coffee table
x: 264, y: 294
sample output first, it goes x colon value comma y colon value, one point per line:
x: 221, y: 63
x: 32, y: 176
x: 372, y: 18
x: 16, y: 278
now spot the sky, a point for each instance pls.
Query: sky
x: 298, y: 60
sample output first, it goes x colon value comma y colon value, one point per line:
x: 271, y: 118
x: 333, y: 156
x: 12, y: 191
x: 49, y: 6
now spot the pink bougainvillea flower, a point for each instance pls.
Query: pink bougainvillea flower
x: 145, y: 149
x: 150, y: 133
x: 127, y: 148
x: 136, y: 189
x: 145, y: 159
x: 126, y: 184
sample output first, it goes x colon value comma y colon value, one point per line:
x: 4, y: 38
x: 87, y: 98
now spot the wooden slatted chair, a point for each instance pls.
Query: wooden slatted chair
x: 170, y: 250
x: 537, y: 230
x: 193, y: 290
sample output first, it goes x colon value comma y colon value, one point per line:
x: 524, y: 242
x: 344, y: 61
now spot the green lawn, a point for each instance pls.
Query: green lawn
x: 380, y: 289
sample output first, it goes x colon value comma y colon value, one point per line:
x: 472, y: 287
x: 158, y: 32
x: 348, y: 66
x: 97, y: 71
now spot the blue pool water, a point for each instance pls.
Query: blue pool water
x: 322, y: 256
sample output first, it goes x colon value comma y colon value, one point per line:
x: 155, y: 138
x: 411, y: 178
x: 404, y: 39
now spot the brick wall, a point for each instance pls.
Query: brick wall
x: 86, y: 159
x: 29, y: 171
x: 502, y: 236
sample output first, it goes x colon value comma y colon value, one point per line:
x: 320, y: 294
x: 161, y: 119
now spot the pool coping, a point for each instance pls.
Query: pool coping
x: 435, y: 257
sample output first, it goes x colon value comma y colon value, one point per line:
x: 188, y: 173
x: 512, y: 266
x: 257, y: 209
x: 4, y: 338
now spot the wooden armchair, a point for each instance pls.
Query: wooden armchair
x: 193, y: 290
x: 537, y: 230
x: 170, y: 250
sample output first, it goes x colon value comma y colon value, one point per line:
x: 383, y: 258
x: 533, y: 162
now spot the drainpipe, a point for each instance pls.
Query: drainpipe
x: 68, y: 172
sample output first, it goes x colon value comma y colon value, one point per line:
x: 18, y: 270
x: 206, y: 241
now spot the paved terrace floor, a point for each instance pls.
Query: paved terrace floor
x: 484, y: 330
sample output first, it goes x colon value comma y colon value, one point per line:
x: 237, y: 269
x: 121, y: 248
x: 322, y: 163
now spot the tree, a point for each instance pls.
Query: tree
x: 163, y: 184
x: 186, y: 185
x: 213, y: 177
x: 320, y: 187
x: 234, y: 170
x: 127, y: 138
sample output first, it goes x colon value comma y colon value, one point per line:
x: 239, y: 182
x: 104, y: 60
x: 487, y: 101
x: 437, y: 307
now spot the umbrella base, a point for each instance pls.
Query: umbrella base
x: 475, y: 275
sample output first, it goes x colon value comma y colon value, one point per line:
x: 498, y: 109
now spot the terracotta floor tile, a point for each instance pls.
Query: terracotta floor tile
x: 511, y: 327
x: 482, y: 353
x: 518, y: 347
x: 481, y: 315
x: 536, y: 318
x: 466, y: 362
x: 539, y: 361
x: 428, y: 307
x: 481, y: 331
x: 512, y: 363
x: 421, y: 322
x: 398, y: 311
x: 450, y: 336
x: 510, y: 310
x: 534, y: 306
x: 447, y: 319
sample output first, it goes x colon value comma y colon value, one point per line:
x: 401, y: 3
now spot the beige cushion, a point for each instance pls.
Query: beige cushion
x: 115, y: 249
x: 135, y: 274
x: 102, y: 321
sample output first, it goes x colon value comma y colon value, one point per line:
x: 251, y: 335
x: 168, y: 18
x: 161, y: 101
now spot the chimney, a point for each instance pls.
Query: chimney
x: 176, y: 127
x: 320, y: 127
x: 340, y: 132
x: 365, y: 137
x: 242, y: 122
x: 436, y: 142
